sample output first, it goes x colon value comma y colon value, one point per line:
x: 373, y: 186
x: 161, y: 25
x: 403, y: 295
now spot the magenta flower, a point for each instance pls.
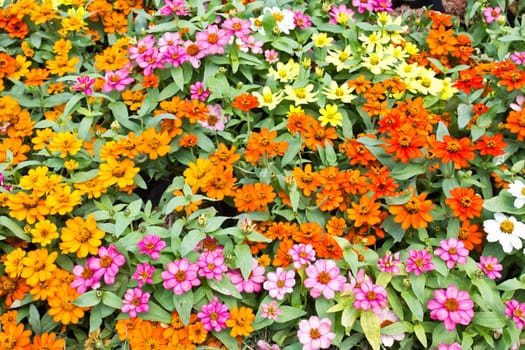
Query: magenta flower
x: 150, y: 60
x: 302, y: 254
x: 143, y: 274
x: 180, y: 276
x: 212, y: 40
x: 383, y: 6
x: 117, y: 80
x: 452, y: 251
x: 151, y: 245
x: 238, y: 27
x: 135, y: 301
x: 369, y: 296
x: 315, y: 333
x: 518, y: 57
x: 419, y: 261
x: 84, y: 84
x: 169, y: 39
x: 214, y: 315
x: 363, y: 5
x: 279, y: 283
x: 301, y: 20
x: 175, y: 7
x: 254, y: 282
x: 85, y: 278
x: 490, y: 266
x: 175, y: 55
x: 516, y: 310
x: 323, y: 277
x: 211, y: 265
x: 107, y: 264
x: 341, y: 14
x: 198, y: 91
x: 491, y: 14
x: 453, y: 346
x: 271, y: 311
x: 452, y: 306
x: 390, y: 263
x: 143, y: 45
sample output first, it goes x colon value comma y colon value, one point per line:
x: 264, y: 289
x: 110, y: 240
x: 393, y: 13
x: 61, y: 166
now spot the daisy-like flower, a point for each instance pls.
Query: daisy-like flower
x: 386, y: 318
x: 279, y: 283
x: 135, y: 301
x: 452, y: 306
x: 240, y: 321
x: 271, y: 311
x: 143, y: 274
x: 284, y: 19
x: 516, y: 310
x: 213, y: 40
x: 117, y: 80
x: 389, y: 263
x: 271, y: 56
x: 340, y: 14
x: 517, y: 189
x: 302, y: 254
x: 211, y: 265
x: 452, y: 251
x: 268, y: 99
x: 338, y: 92
x: 453, y: 346
x: 107, y: 264
x: 198, y: 91
x: 315, y: 333
x: 85, y: 278
x: 419, y: 261
x: 151, y: 245
x: 369, y: 296
x: 84, y: 84
x: 491, y: 14
x: 490, y: 266
x: 300, y: 95
x: 254, y: 282
x: 518, y: 57
x: 181, y: 276
x: 323, y: 277
x: 214, y: 315
x: 508, y: 231
x: 330, y: 115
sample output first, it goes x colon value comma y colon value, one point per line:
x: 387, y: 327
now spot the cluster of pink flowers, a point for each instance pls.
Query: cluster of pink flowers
x: 516, y: 311
x: 372, y: 5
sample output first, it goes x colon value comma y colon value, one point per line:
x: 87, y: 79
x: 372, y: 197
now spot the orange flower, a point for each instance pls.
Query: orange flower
x: 124, y: 327
x: 513, y: 80
x: 122, y: 173
x: 224, y: 156
x: 357, y: 153
x: 81, y: 237
x: 308, y: 233
x: 240, y: 321
x: 470, y: 235
x: 154, y: 144
x: 188, y: 140
x: 365, y: 212
x: 381, y: 184
x: 254, y: 197
x: 465, y: 203
x: 63, y: 200
x: 13, y: 289
x: 315, y: 135
x: 147, y: 336
x: 298, y: 120
x: 336, y: 226
x: 469, y: 79
x: 194, y: 111
x: 261, y: 144
x: 221, y: 184
x: 281, y: 230
x: 414, y: 213
x: 353, y: 182
x: 150, y: 81
x: 405, y: 143
x: 328, y: 248
x: 9, y: 317
x: 14, y: 262
x: 245, y: 102
x: 61, y: 305
x: 329, y: 199
x: 458, y: 151
x: 439, y: 19
x: 196, y: 333
x: 7, y: 65
x: 18, y: 150
x: 282, y: 257
x: 36, y: 77
x: 28, y: 207
x: 47, y: 341
x: 307, y: 180
x: 38, y: 266
x: 359, y: 85
x: 441, y: 41
x: 14, y: 337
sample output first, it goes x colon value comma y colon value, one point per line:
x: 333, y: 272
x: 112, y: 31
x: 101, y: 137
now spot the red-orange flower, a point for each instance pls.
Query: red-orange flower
x: 470, y: 235
x: 469, y: 79
x: 516, y: 123
x: 245, y: 102
x: 491, y: 145
x: 441, y: 41
x: 405, y: 143
x: 458, y: 151
x: 465, y: 203
x: 365, y: 212
x: 415, y: 213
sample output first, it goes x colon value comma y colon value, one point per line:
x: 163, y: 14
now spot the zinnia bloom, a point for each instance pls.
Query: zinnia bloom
x: 271, y: 311
x: 107, y: 263
x: 240, y: 321
x: 452, y: 251
x: 254, y: 282
x: 144, y: 274
x: 458, y: 151
x: 516, y: 310
x: 452, y: 306
x: 85, y: 278
x: 214, y: 315
x: 38, y: 266
x: 245, y: 102
x: 517, y: 189
x: 315, y: 333
x: 211, y: 264
x: 508, y: 231
x: 14, y: 336
x: 135, y: 301
x: 490, y: 266
x: 323, y: 278
x: 61, y: 305
x: 151, y: 245
x: 279, y: 283
x: 465, y: 203
x: 389, y: 263
x: 81, y: 236
x: 302, y: 254
x: 419, y: 261
x: 414, y: 213
x: 181, y: 276
x: 369, y: 296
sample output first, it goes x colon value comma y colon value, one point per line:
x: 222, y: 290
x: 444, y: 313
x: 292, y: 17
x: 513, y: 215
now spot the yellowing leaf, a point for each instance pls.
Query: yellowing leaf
x: 372, y: 328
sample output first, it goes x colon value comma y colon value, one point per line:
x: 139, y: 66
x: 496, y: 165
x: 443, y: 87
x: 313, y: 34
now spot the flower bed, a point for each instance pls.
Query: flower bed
x: 267, y: 174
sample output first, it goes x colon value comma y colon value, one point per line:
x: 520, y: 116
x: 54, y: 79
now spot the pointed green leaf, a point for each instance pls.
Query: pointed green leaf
x: 111, y: 299
x: 190, y: 241
x: 371, y: 328
x: 419, y: 330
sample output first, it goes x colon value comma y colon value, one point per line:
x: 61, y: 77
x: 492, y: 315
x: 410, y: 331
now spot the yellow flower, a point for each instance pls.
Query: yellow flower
x: 240, y: 321
x: 330, y: 115
x: 285, y: 72
x: 268, y: 99
x: 81, y: 237
x: 62, y: 65
x: 340, y: 59
x: 377, y: 62
x: 321, y: 40
x: 447, y: 90
x: 71, y: 164
x: 61, y: 305
x: 44, y: 232
x: 122, y: 173
x: 22, y: 67
x: 65, y: 143
x: 13, y: 263
x: 63, y: 200
x: 338, y: 92
x: 33, y: 178
x: 38, y: 266
x: 373, y: 42
x: 29, y: 207
x: 301, y: 95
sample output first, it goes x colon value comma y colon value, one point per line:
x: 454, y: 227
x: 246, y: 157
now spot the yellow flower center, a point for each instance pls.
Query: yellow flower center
x: 506, y: 226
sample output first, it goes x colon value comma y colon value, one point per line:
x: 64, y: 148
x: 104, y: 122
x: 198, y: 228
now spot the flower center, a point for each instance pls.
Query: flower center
x: 371, y: 295
x: 211, y: 266
x: 323, y: 278
x: 404, y: 141
x: 453, y: 147
x: 412, y: 206
x: 105, y: 261
x: 213, y: 38
x: 466, y: 202
x: 180, y: 276
x: 300, y: 92
x: 506, y: 226
x: 314, y: 333
x: 192, y: 49
x: 214, y: 316
x: 453, y: 250
x: 280, y: 283
x: 451, y: 304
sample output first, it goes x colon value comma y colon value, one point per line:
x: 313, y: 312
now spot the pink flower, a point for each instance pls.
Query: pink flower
x: 452, y: 306
x: 262, y: 345
x: 517, y: 106
x: 175, y: 55
x: 279, y: 283
x: 452, y: 251
x: 175, y: 7
x: 251, y: 43
x: 341, y: 14
x: 270, y: 311
x: 369, y: 296
x: 211, y: 265
x: 419, y: 261
x: 490, y: 266
x: 301, y: 20
x: 143, y: 45
x: 389, y: 263
x: 117, y: 80
x: 238, y: 27
x: 253, y: 283
x: 143, y: 274
x: 518, y: 57
x: 516, y: 310
x: 151, y: 245
x: 302, y: 254
x: 107, y: 264
x: 169, y: 39
x: 150, y: 60
x: 323, y: 278
x: 180, y: 276
x: 198, y: 91
x: 315, y: 333
x: 383, y: 6
x: 216, y: 120
x: 363, y: 5
x: 453, y: 346
x: 214, y: 315
x: 135, y: 301
x: 85, y: 278
x: 491, y: 14
x: 84, y: 83
x: 271, y: 56
x: 212, y: 40
x: 387, y: 317
x: 194, y: 53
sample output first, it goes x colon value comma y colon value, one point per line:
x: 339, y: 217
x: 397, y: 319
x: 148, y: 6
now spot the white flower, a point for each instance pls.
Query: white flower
x: 517, y: 189
x: 284, y: 19
x: 387, y: 317
x: 506, y: 230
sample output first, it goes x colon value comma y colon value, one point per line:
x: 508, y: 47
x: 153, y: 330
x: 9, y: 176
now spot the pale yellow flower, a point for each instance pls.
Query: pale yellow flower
x: 321, y: 40
x: 268, y: 99
x: 285, y: 72
x: 340, y: 59
x: 338, y: 92
x: 300, y: 95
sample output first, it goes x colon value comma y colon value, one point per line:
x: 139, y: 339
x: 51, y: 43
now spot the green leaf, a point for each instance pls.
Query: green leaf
x: 226, y: 339
x: 417, y: 284
x: 13, y: 229
x: 156, y: 313
x: 383, y: 279
x: 348, y: 317
x: 393, y: 229
x: 503, y: 203
x: 405, y: 172
x: 491, y: 320
x: 225, y: 287
x: 190, y: 241
x: 290, y: 313
x: 464, y: 115
x: 88, y: 299
x: 120, y: 112
x: 71, y: 104
x: 419, y: 330
x: 294, y: 146
x: 184, y: 304
x: 111, y: 299
x: 413, y: 304
x: 244, y: 259
x: 175, y: 203
x: 371, y: 328
x: 34, y: 319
